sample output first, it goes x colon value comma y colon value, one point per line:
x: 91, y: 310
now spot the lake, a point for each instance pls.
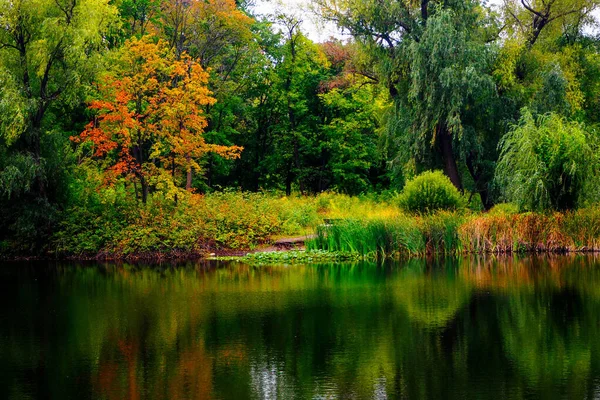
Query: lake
x: 471, y: 328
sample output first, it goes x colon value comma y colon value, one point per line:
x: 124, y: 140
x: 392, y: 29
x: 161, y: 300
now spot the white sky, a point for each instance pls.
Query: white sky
x: 312, y: 26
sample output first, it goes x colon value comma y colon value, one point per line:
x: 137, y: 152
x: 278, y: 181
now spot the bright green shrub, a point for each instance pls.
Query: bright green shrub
x: 428, y: 192
x: 504, y: 209
x: 546, y: 162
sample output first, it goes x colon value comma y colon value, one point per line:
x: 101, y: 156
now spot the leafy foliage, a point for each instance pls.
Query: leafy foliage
x: 547, y: 162
x: 428, y: 192
x: 150, y: 121
x: 50, y: 52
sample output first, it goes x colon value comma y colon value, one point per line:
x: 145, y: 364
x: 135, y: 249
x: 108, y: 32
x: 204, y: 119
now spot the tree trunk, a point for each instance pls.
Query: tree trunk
x: 36, y: 148
x: 480, y: 187
x: 137, y: 155
x: 144, y: 186
x: 298, y: 164
x: 424, y: 12
x: 448, y: 158
x: 485, y: 199
x: 209, y: 171
x: 288, y: 181
x: 137, y: 196
x: 188, y: 182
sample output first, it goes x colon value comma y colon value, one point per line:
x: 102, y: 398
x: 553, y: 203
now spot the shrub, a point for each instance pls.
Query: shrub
x: 504, y: 209
x: 546, y: 163
x: 428, y: 192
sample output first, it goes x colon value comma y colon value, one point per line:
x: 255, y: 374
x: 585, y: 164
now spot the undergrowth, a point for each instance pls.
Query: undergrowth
x: 111, y: 227
x: 452, y: 233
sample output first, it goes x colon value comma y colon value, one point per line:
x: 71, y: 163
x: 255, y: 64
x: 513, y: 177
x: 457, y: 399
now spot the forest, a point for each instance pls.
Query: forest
x: 132, y: 127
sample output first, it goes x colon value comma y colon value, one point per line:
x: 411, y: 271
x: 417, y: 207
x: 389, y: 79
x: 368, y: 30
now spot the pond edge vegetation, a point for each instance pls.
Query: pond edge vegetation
x: 454, y: 233
x: 245, y: 226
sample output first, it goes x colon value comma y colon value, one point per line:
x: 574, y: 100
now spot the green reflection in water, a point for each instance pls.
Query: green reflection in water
x: 466, y: 328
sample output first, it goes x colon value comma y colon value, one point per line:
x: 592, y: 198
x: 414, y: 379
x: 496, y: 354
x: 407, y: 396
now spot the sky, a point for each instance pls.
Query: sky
x: 312, y: 26
x: 315, y: 29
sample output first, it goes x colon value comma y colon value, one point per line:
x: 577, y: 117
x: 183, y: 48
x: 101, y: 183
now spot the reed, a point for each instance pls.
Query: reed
x: 451, y: 233
x: 374, y: 238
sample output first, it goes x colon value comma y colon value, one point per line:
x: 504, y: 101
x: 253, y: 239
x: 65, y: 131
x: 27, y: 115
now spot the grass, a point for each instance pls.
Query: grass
x: 453, y: 233
x: 532, y: 232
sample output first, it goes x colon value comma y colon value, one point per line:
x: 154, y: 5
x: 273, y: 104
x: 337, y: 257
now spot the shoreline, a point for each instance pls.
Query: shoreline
x: 401, y: 237
x: 286, y: 244
x: 232, y: 255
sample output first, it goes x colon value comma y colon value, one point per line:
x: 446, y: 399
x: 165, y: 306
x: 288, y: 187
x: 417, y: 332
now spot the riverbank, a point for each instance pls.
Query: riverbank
x: 455, y: 233
x: 236, y: 224
x: 229, y: 223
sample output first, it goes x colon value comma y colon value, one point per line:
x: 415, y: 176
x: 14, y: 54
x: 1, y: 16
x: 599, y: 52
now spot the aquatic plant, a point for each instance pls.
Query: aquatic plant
x: 298, y: 257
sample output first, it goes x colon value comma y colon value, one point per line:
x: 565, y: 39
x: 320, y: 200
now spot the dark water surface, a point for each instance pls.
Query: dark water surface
x: 457, y: 329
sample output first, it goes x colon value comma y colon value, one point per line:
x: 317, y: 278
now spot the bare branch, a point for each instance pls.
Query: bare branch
x: 530, y: 9
x: 514, y: 16
x: 8, y: 45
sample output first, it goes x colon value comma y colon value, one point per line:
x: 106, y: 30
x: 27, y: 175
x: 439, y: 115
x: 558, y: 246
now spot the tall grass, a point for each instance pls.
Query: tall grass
x: 375, y: 237
x: 368, y: 237
x: 530, y: 232
x: 459, y: 233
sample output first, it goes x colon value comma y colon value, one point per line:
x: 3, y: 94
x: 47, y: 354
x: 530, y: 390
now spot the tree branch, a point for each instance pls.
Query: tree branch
x: 530, y: 9
x: 514, y: 16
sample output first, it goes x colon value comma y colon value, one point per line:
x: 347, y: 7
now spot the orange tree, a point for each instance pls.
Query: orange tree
x: 150, y: 121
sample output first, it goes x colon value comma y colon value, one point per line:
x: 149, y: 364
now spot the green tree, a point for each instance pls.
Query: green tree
x: 139, y: 15
x: 434, y: 59
x: 349, y: 137
x: 547, y: 162
x: 535, y: 19
x: 49, y: 50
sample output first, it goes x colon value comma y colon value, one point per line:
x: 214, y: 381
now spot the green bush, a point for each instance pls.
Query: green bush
x: 428, y: 192
x: 504, y: 209
x: 547, y: 163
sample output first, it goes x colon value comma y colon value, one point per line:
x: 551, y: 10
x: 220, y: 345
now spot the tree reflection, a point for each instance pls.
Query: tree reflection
x: 484, y: 328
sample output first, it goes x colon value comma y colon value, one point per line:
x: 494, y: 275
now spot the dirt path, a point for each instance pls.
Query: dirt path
x: 283, y: 244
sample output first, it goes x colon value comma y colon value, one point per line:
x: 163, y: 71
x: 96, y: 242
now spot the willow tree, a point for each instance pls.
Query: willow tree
x: 548, y: 163
x: 48, y: 54
x: 448, y: 80
x: 434, y: 58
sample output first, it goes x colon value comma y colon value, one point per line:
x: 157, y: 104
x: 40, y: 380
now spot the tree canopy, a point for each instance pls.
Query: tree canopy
x: 167, y: 98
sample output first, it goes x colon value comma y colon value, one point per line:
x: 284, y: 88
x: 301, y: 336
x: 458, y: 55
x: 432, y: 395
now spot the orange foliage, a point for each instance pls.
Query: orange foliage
x: 150, y: 118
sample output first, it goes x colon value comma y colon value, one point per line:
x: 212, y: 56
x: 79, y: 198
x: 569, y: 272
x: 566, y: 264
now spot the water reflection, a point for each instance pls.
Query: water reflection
x: 468, y: 328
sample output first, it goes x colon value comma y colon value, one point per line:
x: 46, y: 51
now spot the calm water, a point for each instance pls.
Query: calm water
x: 457, y: 329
